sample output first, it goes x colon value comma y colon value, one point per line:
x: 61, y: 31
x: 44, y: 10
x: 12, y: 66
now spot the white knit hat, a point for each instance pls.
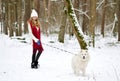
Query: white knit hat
x: 34, y: 13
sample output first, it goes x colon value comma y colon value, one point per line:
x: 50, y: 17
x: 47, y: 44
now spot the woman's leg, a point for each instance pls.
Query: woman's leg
x: 38, y: 55
x: 33, y: 58
x: 37, y: 58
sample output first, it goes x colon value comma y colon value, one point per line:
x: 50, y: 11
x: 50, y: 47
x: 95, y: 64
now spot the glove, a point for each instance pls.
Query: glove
x: 38, y: 42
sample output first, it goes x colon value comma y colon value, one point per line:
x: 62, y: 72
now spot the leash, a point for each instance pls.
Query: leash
x: 54, y: 48
x: 59, y: 49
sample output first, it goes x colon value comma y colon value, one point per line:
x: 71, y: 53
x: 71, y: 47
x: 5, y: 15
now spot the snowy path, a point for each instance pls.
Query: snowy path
x: 55, y: 65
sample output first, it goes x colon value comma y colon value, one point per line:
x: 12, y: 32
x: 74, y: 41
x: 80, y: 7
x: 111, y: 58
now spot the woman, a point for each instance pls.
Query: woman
x: 34, y: 30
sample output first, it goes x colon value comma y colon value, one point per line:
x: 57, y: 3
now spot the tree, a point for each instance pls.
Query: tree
x: 46, y: 17
x: 15, y: 18
x: 3, y: 17
x: 27, y: 14
x: 118, y: 16
x: 103, y: 17
x: 10, y: 18
x: 76, y: 27
x: 84, y: 23
x: 19, y: 17
x: 92, y: 20
x: 76, y: 5
x: 63, y: 25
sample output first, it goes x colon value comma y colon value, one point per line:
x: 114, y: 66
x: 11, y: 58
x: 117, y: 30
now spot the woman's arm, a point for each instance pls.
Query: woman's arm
x: 30, y: 32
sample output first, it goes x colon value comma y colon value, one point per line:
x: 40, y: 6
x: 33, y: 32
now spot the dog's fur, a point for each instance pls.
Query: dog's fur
x: 80, y: 62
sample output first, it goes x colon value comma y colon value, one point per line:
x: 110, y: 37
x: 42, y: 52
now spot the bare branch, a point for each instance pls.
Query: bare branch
x: 100, y: 4
x: 81, y: 12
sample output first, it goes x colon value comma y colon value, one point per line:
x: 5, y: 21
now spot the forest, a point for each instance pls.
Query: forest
x: 67, y: 27
x: 95, y: 17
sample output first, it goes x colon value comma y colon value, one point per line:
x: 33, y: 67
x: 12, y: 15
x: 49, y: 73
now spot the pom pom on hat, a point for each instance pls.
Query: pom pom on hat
x: 34, y: 13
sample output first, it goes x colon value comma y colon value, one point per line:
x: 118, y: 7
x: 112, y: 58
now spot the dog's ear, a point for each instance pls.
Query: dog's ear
x: 81, y: 51
x: 84, y: 50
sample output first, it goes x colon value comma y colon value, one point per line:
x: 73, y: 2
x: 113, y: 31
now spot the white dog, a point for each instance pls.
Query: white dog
x: 80, y: 62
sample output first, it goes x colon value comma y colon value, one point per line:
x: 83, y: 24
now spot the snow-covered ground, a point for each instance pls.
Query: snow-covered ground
x: 55, y: 63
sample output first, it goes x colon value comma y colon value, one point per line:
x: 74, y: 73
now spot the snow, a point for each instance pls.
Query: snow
x: 55, y: 64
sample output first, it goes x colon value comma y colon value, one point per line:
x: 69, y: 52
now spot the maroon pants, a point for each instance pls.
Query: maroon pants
x: 35, y: 51
x: 35, y: 55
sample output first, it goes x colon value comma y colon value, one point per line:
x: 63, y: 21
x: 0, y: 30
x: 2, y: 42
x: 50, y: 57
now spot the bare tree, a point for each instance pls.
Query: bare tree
x: 85, y: 20
x: 46, y: 17
x: 19, y: 17
x: 103, y: 17
x: 10, y: 18
x: 63, y: 25
x: 15, y: 17
x: 92, y: 20
x: 77, y: 6
x: 27, y: 14
x: 118, y: 16
x: 3, y: 17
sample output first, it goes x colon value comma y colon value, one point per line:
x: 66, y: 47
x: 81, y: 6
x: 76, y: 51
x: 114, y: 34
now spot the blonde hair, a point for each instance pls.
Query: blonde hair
x: 35, y: 22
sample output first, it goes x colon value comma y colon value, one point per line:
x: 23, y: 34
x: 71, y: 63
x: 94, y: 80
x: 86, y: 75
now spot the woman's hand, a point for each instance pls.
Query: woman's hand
x: 38, y: 42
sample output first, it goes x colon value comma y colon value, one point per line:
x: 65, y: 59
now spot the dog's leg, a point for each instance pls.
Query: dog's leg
x: 83, y: 72
x: 76, y: 72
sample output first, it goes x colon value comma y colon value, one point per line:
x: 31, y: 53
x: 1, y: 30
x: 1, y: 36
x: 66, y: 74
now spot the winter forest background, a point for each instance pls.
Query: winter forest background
x: 95, y: 17
x: 95, y: 24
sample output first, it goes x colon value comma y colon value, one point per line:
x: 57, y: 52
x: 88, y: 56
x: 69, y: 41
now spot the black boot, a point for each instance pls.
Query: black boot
x: 32, y: 65
x: 36, y: 60
x: 37, y: 56
x: 36, y: 65
x: 33, y: 61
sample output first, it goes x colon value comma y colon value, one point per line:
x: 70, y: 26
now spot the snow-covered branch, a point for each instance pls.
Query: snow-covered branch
x: 100, y: 4
x: 114, y: 22
x: 81, y: 12
x: 111, y: 5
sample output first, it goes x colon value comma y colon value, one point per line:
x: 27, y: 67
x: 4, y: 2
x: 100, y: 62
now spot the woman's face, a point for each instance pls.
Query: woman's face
x: 34, y: 18
x: 35, y: 21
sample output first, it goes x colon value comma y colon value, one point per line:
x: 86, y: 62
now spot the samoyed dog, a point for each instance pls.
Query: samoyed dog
x: 80, y: 62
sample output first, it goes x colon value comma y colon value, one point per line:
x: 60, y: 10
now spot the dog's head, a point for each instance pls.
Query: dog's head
x: 84, y: 55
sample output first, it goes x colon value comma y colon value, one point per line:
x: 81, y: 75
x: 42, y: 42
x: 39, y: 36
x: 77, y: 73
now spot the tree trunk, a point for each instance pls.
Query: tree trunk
x: 76, y: 6
x: 62, y: 27
x: 103, y: 18
x: 46, y: 18
x: 37, y: 6
x: 16, y: 19
x: 10, y: 18
x: 92, y: 20
x: 118, y: 16
x: 19, y: 18
x: 4, y: 26
x: 76, y: 27
x: 27, y: 15
x: 84, y: 23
